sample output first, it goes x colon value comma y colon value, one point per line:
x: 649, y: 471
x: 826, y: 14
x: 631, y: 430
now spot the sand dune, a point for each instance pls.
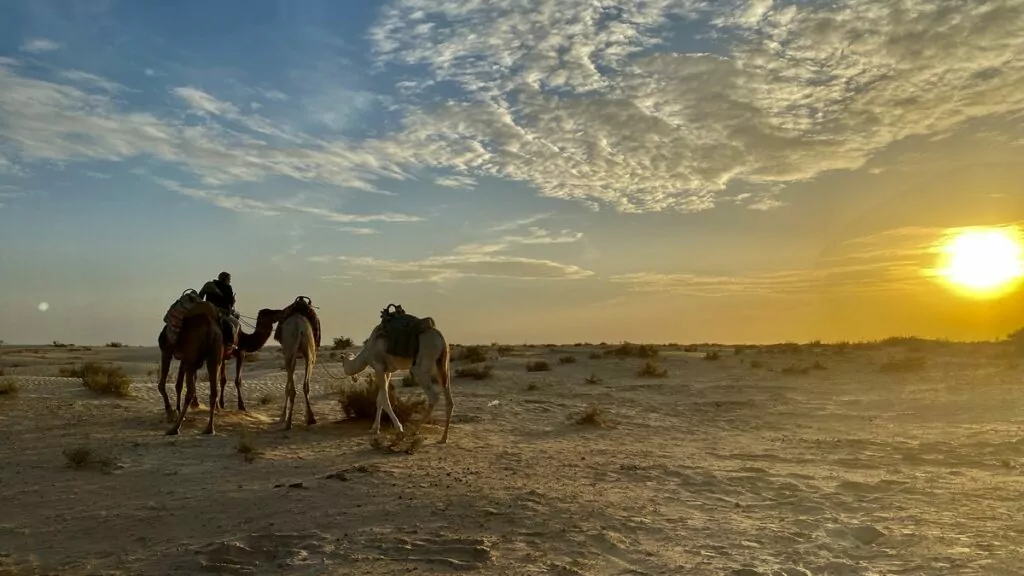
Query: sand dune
x: 719, y: 468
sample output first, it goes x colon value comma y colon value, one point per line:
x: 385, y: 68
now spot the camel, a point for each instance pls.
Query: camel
x: 265, y: 320
x: 247, y: 344
x: 296, y: 335
x: 200, y: 341
x: 432, y: 357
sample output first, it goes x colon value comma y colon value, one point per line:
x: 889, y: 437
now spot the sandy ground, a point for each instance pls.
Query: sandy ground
x: 719, y: 468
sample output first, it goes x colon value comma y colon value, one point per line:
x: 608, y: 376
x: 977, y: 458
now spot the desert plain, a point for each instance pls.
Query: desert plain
x: 893, y: 457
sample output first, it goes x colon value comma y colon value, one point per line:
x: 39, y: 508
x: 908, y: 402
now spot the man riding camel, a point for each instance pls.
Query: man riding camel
x: 220, y: 293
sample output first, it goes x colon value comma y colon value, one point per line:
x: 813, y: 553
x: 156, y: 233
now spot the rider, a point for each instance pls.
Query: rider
x: 220, y: 293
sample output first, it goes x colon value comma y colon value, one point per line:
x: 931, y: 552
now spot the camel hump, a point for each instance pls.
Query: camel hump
x: 202, y: 308
x: 402, y: 331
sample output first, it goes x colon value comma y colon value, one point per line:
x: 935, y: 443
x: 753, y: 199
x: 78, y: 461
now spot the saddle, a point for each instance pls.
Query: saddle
x: 176, y: 313
x: 402, y: 331
x: 304, y: 307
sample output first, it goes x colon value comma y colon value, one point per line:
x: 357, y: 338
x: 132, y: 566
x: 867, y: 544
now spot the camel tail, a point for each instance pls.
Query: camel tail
x: 443, y: 362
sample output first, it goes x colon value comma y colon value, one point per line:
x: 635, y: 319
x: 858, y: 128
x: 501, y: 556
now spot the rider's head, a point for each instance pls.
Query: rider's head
x: 224, y: 277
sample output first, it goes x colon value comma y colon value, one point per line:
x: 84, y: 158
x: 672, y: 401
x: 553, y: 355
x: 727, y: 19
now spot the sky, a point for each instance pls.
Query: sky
x: 519, y: 170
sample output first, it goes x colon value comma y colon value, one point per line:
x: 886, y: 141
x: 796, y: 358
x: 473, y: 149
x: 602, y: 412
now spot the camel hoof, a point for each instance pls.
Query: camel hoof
x: 241, y: 407
x: 171, y: 432
x: 310, y: 421
x: 208, y: 430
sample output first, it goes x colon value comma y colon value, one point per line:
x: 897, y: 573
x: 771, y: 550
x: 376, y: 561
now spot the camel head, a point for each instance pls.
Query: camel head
x: 268, y: 316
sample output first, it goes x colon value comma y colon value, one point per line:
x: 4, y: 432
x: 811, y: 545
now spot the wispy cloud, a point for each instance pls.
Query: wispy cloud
x: 535, y: 236
x: 455, y: 181
x: 447, y: 268
x: 39, y: 45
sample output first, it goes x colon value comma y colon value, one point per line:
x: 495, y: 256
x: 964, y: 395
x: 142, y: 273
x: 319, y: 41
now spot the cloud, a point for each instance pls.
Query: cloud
x: 254, y: 206
x: 535, y: 236
x: 513, y: 224
x: 584, y: 101
x: 93, y: 80
x: 899, y: 259
x: 39, y: 45
x: 447, y: 268
x: 455, y: 181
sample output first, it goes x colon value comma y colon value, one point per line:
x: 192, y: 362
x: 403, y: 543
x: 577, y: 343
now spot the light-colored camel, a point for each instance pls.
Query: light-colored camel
x: 296, y: 338
x: 199, y: 342
x: 433, y: 358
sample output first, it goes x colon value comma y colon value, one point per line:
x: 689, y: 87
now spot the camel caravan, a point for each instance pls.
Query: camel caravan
x: 203, y: 328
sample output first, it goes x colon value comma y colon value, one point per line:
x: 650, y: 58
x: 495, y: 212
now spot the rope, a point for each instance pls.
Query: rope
x: 324, y: 368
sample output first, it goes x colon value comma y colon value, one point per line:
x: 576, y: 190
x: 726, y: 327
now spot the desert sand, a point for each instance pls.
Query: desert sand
x: 728, y: 466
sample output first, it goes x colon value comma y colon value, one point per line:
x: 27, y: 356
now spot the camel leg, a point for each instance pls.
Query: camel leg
x: 213, y: 367
x: 190, y: 393
x: 310, y: 418
x: 223, y: 382
x: 289, y: 391
x: 238, y: 381
x: 179, y: 383
x: 165, y: 368
x: 444, y: 376
x: 421, y: 372
x: 384, y: 402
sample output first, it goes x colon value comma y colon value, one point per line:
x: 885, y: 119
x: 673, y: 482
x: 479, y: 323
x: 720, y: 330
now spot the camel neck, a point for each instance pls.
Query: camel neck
x: 254, y: 341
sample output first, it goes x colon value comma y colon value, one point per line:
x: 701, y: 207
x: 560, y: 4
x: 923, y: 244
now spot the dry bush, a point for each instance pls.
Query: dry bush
x: 81, y: 457
x: 593, y: 416
x: 596, y: 356
x: 538, y: 366
x: 713, y: 355
x: 630, y: 350
x: 9, y: 387
x: 532, y: 386
x: 504, y: 351
x: 359, y: 402
x: 910, y: 363
x: 567, y: 360
x: 476, y: 372
x: 794, y: 370
x: 342, y: 343
x: 114, y: 345
x: 652, y: 370
x: 473, y: 355
x: 408, y: 441
x: 251, y: 357
x: 756, y: 364
x: 246, y: 448
x: 818, y: 366
x: 100, y: 378
x: 266, y: 399
x: 592, y: 379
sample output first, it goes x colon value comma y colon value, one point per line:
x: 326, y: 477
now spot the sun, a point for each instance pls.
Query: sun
x: 983, y: 263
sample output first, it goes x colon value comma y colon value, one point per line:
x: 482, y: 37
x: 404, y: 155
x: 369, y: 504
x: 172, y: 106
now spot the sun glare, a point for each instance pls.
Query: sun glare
x: 983, y: 263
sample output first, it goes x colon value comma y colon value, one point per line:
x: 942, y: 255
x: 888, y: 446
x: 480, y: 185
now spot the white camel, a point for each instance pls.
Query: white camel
x: 296, y: 338
x: 433, y: 358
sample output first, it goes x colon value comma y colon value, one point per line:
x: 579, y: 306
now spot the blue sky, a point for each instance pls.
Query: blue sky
x: 533, y: 170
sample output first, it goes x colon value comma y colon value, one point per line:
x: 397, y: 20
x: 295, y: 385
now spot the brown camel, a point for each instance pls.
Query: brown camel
x: 247, y: 344
x: 200, y: 341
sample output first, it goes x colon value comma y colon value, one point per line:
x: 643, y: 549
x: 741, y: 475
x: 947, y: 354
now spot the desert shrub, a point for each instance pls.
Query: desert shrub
x: 592, y: 379
x: 592, y: 416
x: 713, y: 355
x: 3, y: 372
x: 8, y: 387
x: 737, y: 350
x: 252, y: 357
x: 342, y: 343
x: 630, y: 350
x: 408, y: 441
x: 756, y: 364
x: 818, y: 366
x: 100, y: 378
x: 538, y: 366
x: 504, y: 351
x: 473, y: 355
x: 567, y: 360
x: 911, y: 363
x: 476, y: 372
x: 359, y: 402
x: 651, y: 370
x: 794, y: 370
x: 596, y: 356
x: 266, y: 399
x: 114, y: 345
x: 59, y: 344
x: 532, y: 386
x: 247, y: 449
x: 80, y: 457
